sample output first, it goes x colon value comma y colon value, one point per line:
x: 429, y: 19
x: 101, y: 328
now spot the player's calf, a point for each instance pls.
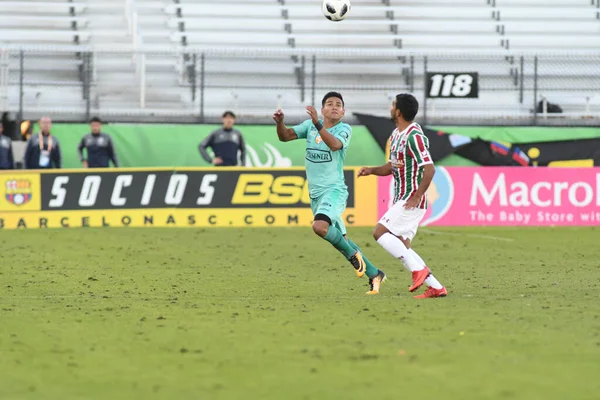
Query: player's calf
x: 334, y: 236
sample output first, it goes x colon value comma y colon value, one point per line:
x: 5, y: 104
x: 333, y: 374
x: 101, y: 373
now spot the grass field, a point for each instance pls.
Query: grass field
x: 278, y: 314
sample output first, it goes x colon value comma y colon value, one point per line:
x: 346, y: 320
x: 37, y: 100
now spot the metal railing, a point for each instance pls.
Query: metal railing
x: 182, y: 84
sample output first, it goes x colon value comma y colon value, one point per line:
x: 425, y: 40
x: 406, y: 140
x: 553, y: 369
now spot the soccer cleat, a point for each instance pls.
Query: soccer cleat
x: 418, y: 278
x: 431, y: 293
x: 375, y: 283
x: 359, y: 264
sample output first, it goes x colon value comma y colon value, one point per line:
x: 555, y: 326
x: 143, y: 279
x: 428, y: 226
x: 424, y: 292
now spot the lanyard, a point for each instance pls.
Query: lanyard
x: 42, y: 142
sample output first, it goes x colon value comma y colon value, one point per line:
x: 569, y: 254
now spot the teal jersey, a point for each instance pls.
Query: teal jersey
x: 324, y: 167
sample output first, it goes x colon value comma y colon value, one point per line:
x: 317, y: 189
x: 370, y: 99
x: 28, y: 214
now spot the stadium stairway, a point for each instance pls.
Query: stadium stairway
x: 118, y: 75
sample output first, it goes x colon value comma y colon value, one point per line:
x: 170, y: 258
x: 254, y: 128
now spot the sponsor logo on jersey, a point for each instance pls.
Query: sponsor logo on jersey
x: 318, y: 156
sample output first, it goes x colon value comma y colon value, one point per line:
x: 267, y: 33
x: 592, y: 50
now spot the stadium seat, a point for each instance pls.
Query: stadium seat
x: 230, y: 12
x: 547, y: 42
x: 451, y: 41
x: 447, y: 12
x: 305, y: 10
x: 32, y: 21
x: 276, y: 26
x: 563, y: 14
x: 346, y: 40
x: 40, y: 7
x: 231, y: 39
x: 590, y: 27
x: 542, y: 3
x: 37, y: 36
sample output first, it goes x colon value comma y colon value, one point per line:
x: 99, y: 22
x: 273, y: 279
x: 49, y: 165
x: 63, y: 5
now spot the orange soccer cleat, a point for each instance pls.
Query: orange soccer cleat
x: 418, y: 278
x: 432, y: 293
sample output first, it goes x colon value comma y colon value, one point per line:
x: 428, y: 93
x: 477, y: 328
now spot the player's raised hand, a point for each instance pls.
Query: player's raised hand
x: 278, y: 116
x: 365, y: 171
x: 312, y: 112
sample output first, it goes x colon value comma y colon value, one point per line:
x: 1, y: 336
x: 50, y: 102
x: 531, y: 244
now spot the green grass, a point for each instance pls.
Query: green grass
x: 277, y: 314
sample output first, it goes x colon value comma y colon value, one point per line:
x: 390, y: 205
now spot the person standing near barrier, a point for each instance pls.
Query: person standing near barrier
x: 6, y: 152
x: 43, y: 149
x: 99, y: 147
x: 225, y: 143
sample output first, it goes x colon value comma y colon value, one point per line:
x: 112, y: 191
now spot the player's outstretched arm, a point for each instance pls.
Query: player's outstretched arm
x: 383, y: 170
x: 284, y: 133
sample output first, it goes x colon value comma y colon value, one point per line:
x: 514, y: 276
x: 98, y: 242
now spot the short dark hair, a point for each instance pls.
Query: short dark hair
x: 95, y: 119
x: 333, y: 94
x: 228, y: 114
x: 408, y: 106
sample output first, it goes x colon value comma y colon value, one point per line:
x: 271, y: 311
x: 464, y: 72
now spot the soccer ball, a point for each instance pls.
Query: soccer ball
x: 336, y: 10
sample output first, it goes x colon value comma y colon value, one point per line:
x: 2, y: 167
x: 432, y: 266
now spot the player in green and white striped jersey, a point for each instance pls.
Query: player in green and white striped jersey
x: 412, y: 168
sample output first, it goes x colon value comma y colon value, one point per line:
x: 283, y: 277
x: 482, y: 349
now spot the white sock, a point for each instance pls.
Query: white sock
x: 432, y: 282
x: 417, y: 257
x: 397, y: 249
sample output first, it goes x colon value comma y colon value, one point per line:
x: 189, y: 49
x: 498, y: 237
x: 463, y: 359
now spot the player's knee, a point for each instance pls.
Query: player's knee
x: 321, y: 224
x: 379, y: 231
x: 320, y: 228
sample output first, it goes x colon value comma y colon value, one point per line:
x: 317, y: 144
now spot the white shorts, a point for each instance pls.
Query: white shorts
x: 402, y: 222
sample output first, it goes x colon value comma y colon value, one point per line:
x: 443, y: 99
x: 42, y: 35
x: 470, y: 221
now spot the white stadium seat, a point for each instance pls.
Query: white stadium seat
x: 248, y: 39
x: 34, y: 36
x: 305, y: 10
x: 455, y: 14
x: 229, y: 10
x: 41, y: 7
x: 51, y: 21
x: 549, y: 14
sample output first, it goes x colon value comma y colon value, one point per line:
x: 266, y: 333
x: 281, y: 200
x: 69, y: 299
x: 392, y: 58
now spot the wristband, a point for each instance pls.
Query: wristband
x: 319, y: 126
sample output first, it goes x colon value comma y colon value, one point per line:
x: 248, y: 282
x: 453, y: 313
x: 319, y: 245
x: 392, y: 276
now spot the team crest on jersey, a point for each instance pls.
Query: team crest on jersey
x: 18, y: 191
x: 318, y: 139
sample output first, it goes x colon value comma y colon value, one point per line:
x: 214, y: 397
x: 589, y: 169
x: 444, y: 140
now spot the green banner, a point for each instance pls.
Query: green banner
x: 521, y: 134
x: 155, y: 145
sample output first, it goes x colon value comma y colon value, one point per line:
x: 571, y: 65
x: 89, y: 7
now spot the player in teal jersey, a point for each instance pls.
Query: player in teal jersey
x: 327, y: 141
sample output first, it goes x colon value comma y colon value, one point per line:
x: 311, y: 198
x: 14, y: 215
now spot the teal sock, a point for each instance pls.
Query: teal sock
x: 372, y: 270
x: 335, y: 237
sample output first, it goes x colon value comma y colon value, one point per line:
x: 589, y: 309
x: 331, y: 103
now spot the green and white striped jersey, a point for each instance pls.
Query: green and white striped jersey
x: 409, y: 153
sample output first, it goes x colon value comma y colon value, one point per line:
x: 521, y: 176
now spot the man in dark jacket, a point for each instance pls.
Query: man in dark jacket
x: 99, y: 147
x: 43, y: 149
x: 6, y: 153
x: 225, y: 144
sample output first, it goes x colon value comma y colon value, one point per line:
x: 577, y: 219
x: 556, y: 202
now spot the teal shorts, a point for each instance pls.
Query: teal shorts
x: 333, y: 204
